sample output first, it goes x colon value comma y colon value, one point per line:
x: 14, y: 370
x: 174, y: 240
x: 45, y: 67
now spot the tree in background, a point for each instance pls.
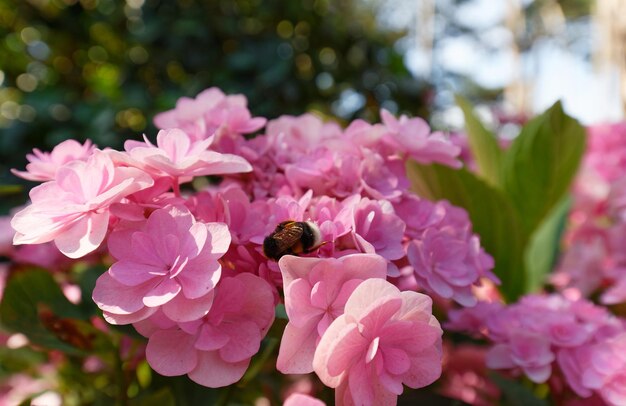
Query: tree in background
x: 102, y: 68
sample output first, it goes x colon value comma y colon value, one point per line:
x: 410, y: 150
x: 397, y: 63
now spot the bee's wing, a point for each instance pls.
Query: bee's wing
x: 288, y: 237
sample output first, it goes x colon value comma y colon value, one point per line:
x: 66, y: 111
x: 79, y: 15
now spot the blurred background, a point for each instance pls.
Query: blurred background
x: 101, y: 69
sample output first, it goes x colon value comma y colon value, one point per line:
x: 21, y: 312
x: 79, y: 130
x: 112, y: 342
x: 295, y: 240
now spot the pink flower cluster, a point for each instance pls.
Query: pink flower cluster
x: 544, y: 333
x: 594, y: 260
x: 187, y: 267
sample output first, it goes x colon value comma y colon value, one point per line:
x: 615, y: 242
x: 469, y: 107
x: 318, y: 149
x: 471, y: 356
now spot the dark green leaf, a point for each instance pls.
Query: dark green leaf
x: 516, y: 394
x: 493, y: 217
x: 543, y: 246
x: 540, y: 165
x: 483, y: 143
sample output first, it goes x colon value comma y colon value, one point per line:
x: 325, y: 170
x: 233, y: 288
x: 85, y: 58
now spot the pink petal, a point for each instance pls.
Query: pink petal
x: 360, y: 385
x: 112, y: 296
x: 299, y: 399
x: 171, y: 352
x: 181, y: 309
x: 211, y: 338
x: 245, y: 341
x: 83, y: 236
x: 133, y: 274
x: 425, y: 368
x: 345, y: 350
x: 214, y: 372
x: 162, y: 293
x: 293, y: 267
x: 297, y: 303
x: 198, y: 279
x: 361, y: 298
x: 297, y: 348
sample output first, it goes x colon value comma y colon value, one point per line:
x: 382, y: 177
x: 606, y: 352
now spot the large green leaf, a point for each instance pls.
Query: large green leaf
x: 543, y: 246
x: 493, y: 217
x: 541, y: 163
x: 483, y: 143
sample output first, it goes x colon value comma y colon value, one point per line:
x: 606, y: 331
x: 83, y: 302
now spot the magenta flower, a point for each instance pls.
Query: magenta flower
x: 179, y: 156
x: 170, y: 262
x: 73, y: 209
x: 215, y: 350
x: 316, y: 291
x: 385, y: 338
x: 43, y: 166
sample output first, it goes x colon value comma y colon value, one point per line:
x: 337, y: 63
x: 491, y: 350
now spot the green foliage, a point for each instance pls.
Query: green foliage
x: 483, y: 143
x: 101, y: 70
x: 517, y: 207
x: 541, y: 163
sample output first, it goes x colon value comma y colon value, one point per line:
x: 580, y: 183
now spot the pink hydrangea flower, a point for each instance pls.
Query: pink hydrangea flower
x: 448, y: 259
x: 316, y: 291
x: 412, y: 135
x: 73, y: 209
x: 43, y: 166
x: 170, y: 262
x: 385, y: 338
x: 215, y: 350
x: 179, y: 156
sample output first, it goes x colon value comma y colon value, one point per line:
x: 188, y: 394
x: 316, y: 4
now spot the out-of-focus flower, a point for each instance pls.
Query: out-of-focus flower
x: 385, y: 338
x: 316, y: 291
x: 299, y: 399
x: 73, y: 209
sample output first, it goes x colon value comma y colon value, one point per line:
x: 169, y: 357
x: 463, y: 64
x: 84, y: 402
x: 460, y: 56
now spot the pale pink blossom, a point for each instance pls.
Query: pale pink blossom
x: 73, y: 209
x: 43, y: 166
x: 215, y: 350
x: 385, y: 338
x: 177, y: 155
x: 316, y: 291
x: 170, y: 262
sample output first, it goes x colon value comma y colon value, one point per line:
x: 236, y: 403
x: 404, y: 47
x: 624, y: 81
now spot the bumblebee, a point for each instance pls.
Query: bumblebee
x: 292, y: 237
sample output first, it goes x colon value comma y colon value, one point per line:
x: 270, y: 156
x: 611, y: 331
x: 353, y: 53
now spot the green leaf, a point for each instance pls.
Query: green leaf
x: 543, y: 247
x: 541, y: 163
x: 516, y: 394
x: 483, y: 143
x: 493, y: 217
x: 34, y: 305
